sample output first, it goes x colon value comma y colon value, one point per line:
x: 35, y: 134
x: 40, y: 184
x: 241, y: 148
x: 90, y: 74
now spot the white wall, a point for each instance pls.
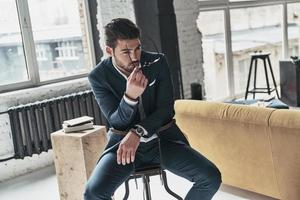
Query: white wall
x: 14, y: 167
x: 110, y: 9
x: 190, y: 45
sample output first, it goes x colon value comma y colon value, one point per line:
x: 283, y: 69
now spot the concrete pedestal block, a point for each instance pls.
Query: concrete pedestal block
x: 75, y: 156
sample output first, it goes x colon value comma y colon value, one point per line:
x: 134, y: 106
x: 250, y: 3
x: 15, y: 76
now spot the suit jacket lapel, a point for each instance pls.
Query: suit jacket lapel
x: 149, y: 73
x: 116, y: 81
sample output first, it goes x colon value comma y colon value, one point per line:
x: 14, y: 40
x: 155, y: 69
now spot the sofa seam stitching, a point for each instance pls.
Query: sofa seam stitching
x: 272, y: 152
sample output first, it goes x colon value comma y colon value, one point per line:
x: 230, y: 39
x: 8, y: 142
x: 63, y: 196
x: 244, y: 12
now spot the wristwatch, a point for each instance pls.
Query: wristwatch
x: 139, y: 131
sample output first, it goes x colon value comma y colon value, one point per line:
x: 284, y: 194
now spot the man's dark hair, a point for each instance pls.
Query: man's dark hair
x: 122, y: 29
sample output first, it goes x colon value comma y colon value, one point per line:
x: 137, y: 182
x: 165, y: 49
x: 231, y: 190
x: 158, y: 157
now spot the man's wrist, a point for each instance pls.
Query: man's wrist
x: 139, y: 130
x: 134, y: 131
x: 130, y: 97
x: 130, y: 102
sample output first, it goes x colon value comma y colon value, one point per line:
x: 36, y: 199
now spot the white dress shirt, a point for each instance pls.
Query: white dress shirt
x: 133, y: 103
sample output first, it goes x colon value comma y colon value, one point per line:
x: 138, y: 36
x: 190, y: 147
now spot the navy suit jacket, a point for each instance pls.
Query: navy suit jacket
x: 109, y: 86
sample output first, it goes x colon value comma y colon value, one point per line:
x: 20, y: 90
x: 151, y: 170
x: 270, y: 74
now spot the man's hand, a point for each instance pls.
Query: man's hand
x: 136, y: 83
x: 127, y: 148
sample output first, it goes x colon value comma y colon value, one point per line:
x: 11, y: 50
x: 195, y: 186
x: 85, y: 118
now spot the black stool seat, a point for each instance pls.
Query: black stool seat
x: 264, y: 57
x: 149, y: 170
x: 145, y: 174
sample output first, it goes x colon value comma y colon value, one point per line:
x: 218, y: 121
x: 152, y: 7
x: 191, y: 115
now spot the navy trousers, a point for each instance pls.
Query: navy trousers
x: 180, y: 159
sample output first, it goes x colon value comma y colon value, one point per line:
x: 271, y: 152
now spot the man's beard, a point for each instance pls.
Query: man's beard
x: 127, y: 69
x: 135, y: 64
x: 130, y: 67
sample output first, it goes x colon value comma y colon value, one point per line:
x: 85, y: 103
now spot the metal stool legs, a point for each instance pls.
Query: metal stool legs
x: 126, y: 190
x: 164, y: 176
x: 272, y: 74
x: 145, y: 174
x: 254, y: 58
x: 146, y: 186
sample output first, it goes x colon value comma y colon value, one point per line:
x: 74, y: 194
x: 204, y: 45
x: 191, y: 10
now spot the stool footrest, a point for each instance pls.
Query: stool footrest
x: 261, y: 90
x: 145, y: 173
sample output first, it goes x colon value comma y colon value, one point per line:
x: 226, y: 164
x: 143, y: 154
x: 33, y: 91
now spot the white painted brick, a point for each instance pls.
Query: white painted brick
x: 14, y: 167
x: 190, y: 46
x: 86, y: 50
x: 6, y: 143
x: 110, y: 9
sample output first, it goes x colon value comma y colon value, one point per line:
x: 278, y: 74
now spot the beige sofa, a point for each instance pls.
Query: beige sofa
x: 256, y: 149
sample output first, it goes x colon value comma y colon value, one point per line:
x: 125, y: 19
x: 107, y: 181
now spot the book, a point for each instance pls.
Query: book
x: 86, y: 126
x: 78, y: 124
x: 78, y: 121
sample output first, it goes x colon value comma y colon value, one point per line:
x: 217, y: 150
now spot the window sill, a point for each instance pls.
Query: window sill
x: 29, y: 95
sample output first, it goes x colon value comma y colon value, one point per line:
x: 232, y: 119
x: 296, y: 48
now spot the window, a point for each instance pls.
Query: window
x: 54, y: 43
x: 248, y: 26
x: 293, y: 11
x: 41, y: 52
x: 213, y: 46
x: 241, y: 71
x: 12, y: 60
x: 59, y: 31
x: 67, y: 51
x: 255, y: 29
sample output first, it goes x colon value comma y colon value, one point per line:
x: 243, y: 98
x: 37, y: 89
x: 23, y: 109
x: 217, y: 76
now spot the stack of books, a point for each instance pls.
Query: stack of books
x: 78, y: 124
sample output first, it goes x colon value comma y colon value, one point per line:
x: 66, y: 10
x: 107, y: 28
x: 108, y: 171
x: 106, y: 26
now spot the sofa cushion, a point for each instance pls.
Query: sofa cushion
x: 234, y: 137
x: 285, y: 143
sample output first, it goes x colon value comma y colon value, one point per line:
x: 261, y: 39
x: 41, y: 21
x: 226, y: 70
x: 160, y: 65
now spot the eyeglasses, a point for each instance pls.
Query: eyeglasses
x: 147, y: 64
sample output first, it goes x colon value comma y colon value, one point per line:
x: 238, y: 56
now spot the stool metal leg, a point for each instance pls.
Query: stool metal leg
x: 249, y: 76
x: 267, y: 78
x: 167, y: 187
x: 147, y: 192
x: 272, y: 74
x: 126, y: 190
x: 254, y: 83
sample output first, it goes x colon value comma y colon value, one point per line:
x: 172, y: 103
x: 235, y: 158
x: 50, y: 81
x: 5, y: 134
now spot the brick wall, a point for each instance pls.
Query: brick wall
x: 86, y: 49
x: 190, y: 47
x: 110, y: 9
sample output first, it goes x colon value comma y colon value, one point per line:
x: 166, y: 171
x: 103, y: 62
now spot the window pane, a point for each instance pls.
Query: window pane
x: 213, y: 45
x: 12, y: 61
x: 240, y: 0
x: 58, y: 38
x: 255, y: 29
x: 293, y: 28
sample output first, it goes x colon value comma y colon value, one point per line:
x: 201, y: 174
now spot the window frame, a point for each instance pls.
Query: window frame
x: 226, y: 6
x: 30, y: 52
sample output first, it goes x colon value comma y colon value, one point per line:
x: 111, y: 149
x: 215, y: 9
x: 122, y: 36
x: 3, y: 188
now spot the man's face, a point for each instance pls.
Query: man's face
x: 126, y: 54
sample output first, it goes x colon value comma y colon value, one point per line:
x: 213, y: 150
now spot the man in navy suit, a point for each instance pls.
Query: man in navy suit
x: 134, y: 91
